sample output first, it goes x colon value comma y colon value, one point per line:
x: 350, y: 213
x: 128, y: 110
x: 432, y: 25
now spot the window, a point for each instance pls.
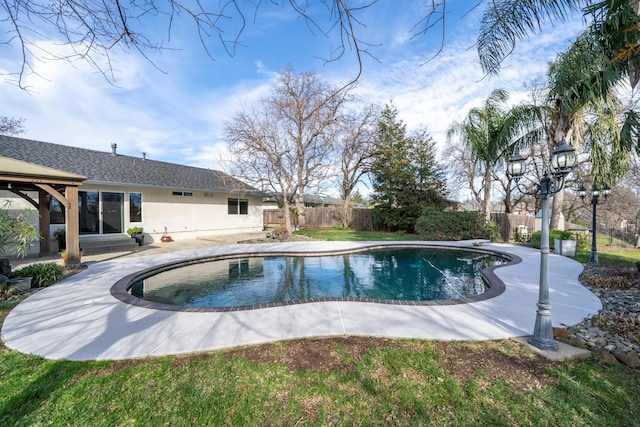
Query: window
x: 238, y: 269
x: 89, y: 207
x: 135, y: 207
x: 238, y: 206
x: 56, y: 213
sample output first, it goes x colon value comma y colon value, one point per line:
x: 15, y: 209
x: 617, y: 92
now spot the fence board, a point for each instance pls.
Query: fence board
x: 322, y: 217
x: 506, y: 224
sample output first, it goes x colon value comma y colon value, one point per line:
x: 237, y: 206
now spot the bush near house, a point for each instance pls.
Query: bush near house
x: 435, y: 224
x: 42, y: 274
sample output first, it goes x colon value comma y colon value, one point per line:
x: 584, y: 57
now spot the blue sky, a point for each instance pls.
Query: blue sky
x: 175, y: 109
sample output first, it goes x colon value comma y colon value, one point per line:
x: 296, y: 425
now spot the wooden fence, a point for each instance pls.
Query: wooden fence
x: 506, y: 224
x: 322, y: 218
x: 362, y: 219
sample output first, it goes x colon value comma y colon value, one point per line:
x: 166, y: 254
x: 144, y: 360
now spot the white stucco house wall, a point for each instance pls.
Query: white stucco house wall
x: 127, y: 191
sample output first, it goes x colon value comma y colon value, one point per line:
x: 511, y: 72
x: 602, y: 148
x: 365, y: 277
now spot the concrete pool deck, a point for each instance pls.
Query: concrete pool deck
x: 79, y: 319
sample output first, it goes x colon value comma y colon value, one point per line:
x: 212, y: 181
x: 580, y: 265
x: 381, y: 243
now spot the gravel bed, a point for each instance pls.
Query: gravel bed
x: 613, y: 333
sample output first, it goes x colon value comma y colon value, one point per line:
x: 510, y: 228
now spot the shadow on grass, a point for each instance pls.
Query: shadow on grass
x: 53, y: 375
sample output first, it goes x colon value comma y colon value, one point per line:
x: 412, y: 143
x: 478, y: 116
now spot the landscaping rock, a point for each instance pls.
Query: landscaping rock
x: 614, y: 333
x: 631, y: 359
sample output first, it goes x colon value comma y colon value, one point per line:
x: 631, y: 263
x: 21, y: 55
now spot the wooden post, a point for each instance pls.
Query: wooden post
x: 72, y: 220
x: 44, y: 213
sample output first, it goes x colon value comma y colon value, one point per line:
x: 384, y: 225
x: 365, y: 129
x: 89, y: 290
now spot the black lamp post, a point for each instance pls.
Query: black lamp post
x: 562, y: 162
x: 595, y: 196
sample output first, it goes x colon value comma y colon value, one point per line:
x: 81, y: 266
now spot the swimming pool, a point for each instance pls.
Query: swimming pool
x: 399, y: 275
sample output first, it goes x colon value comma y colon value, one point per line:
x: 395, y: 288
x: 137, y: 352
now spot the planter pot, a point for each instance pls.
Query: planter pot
x: 19, y: 284
x: 565, y: 247
x: 139, y: 238
x: 165, y: 239
x: 64, y: 257
x: 5, y: 267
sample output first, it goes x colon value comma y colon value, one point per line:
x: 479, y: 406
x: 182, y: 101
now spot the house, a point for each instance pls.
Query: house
x: 114, y: 192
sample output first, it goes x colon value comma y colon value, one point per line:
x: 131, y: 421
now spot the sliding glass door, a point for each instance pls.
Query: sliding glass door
x: 100, y: 212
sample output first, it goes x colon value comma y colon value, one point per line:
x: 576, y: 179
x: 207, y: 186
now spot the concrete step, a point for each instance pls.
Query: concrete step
x: 107, y: 243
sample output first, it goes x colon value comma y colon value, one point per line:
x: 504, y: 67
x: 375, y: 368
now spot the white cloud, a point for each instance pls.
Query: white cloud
x: 178, y: 115
x: 435, y: 93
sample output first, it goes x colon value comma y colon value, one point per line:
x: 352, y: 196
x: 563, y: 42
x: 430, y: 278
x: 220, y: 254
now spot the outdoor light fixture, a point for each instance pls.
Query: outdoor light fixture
x: 595, y: 198
x: 562, y: 163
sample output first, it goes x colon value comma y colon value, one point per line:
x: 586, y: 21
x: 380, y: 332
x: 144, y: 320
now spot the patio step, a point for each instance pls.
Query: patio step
x: 110, y: 243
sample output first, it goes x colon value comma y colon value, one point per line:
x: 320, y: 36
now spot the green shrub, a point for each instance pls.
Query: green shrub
x: 584, y: 241
x: 519, y: 237
x: 553, y: 234
x: 133, y: 230
x: 42, y: 274
x: 435, y: 224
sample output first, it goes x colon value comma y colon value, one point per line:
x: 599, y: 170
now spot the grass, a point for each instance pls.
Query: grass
x: 400, y: 384
x: 354, y: 235
x: 612, y: 256
x: 407, y: 383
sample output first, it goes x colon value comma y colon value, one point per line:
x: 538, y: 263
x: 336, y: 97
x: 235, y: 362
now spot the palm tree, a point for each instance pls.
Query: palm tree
x: 581, y: 86
x: 614, y: 30
x: 584, y: 76
x: 491, y: 132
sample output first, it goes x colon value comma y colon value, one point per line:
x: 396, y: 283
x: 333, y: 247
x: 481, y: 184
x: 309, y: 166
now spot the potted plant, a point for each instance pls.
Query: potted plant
x: 137, y: 233
x: 61, y: 236
x: 564, y: 243
x: 165, y: 237
x: 63, y: 255
x: 17, y: 234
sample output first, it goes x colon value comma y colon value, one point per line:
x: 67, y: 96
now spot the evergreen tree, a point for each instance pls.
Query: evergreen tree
x: 406, y: 175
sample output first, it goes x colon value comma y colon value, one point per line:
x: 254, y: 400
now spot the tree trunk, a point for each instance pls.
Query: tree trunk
x: 287, y: 217
x: 345, y: 211
x: 299, y: 206
x: 561, y: 128
x: 486, y: 203
x: 556, y: 210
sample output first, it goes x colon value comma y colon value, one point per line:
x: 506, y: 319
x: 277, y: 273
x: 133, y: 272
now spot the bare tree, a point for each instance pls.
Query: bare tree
x: 93, y: 30
x: 284, y: 143
x: 354, y: 150
x: 11, y: 126
x: 465, y: 178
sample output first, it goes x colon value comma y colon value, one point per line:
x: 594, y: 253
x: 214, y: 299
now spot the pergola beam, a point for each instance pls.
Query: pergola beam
x: 21, y: 177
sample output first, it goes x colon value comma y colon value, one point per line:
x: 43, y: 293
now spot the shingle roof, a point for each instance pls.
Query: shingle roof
x: 106, y: 168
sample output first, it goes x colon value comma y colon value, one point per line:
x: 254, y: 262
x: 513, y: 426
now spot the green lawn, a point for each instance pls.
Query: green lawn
x: 352, y: 235
x: 397, y: 382
x: 609, y: 255
x: 389, y: 382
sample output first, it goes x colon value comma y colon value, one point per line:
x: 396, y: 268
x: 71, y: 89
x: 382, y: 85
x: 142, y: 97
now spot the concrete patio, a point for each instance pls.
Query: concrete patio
x: 78, y: 318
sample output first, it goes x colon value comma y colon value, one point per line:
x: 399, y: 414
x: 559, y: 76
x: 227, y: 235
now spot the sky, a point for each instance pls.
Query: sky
x: 173, y: 105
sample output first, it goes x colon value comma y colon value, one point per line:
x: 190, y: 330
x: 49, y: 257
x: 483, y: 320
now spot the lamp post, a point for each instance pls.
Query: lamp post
x: 595, y: 195
x: 562, y: 162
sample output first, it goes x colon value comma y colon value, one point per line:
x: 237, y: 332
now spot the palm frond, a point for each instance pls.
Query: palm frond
x: 508, y: 21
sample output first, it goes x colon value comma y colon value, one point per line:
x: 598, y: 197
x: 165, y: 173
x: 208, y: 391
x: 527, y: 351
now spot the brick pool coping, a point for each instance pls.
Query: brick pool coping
x: 495, y: 286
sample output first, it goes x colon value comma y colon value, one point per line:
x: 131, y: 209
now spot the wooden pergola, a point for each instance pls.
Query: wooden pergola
x: 20, y: 177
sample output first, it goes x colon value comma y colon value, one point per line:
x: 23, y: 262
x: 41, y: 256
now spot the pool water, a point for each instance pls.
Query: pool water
x: 393, y: 274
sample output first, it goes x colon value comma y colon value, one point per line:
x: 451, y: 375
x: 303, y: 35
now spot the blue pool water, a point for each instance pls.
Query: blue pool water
x: 394, y: 274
